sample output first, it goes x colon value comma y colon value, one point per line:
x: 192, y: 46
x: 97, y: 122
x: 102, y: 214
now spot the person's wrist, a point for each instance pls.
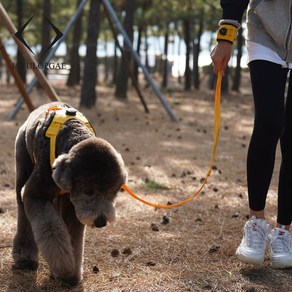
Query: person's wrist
x: 225, y: 41
x: 227, y: 32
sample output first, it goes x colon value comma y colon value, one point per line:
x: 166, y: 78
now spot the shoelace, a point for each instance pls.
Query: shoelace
x: 281, y: 243
x: 255, y: 236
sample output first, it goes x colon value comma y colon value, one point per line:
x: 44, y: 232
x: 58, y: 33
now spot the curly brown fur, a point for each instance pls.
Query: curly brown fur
x: 87, y: 168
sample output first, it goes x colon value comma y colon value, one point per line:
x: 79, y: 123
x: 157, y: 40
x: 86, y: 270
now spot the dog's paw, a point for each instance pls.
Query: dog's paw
x: 67, y: 282
x: 28, y: 265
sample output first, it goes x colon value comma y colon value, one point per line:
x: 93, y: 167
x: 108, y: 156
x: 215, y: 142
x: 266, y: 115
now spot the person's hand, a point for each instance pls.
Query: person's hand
x: 220, y: 56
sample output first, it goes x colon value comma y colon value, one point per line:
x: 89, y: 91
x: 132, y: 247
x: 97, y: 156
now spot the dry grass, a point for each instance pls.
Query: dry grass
x: 194, y: 251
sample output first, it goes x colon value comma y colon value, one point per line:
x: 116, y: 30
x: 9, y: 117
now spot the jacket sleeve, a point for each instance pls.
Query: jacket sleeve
x: 233, y: 9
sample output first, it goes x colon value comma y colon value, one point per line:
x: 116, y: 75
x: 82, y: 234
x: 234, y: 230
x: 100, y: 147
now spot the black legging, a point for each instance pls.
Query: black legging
x: 273, y: 121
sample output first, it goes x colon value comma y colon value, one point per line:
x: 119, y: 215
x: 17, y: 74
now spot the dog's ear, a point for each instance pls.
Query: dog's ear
x: 62, y: 172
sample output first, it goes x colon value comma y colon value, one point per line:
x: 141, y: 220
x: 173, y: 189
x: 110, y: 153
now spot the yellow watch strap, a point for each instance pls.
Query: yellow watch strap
x: 227, y: 32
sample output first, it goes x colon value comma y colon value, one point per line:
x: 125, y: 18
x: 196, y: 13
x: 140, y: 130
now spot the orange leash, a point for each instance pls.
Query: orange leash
x: 217, y: 120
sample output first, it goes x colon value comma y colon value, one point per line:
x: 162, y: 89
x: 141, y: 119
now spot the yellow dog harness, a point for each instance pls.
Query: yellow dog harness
x: 62, y: 115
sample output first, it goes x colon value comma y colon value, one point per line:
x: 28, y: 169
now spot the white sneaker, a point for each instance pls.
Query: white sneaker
x: 253, y: 245
x: 280, y: 248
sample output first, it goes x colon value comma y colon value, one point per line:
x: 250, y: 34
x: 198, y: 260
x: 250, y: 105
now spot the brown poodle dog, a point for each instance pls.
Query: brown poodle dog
x: 56, y: 201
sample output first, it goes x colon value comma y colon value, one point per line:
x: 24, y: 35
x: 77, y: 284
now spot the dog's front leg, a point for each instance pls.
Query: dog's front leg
x: 76, y: 231
x: 51, y: 236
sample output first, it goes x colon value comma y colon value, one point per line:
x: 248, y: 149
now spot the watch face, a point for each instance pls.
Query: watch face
x: 223, y: 31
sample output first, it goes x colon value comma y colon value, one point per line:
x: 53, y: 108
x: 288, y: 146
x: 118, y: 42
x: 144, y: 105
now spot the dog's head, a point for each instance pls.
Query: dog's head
x: 92, y: 173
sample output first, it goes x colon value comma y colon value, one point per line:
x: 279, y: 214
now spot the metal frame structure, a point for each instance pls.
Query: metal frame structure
x: 40, y: 77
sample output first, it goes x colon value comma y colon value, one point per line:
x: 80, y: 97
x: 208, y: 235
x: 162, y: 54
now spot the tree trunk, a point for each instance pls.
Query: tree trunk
x: 187, y: 37
x: 123, y: 75
x: 106, y: 59
x: 237, y: 75
x: 196, y: 52
x: 146, y: 52
x: 136, y: 67
x: 225, y: 81
x: 165, y: 60
x: 46, y: 36
x: 21, y: 65
x: 146, y: 49
x: 88, y: 93
x: 115, y: 64
x: 178, y: 53
x: 213, y: 78
x: 74, y: 75
x: 1, y: 68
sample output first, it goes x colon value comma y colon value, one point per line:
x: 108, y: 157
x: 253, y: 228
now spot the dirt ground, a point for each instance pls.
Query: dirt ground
x: 190, y: 248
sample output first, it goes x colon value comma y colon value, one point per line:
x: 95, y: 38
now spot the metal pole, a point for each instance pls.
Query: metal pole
x: 27, y: 56
x: 50, y: 55
x: 128, y: 42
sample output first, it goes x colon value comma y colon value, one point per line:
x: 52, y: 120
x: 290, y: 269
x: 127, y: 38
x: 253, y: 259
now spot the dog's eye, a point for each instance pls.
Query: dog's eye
x: 89, y: 192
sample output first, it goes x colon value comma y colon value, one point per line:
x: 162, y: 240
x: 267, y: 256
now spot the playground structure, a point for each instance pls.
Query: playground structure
x: 41, y: 78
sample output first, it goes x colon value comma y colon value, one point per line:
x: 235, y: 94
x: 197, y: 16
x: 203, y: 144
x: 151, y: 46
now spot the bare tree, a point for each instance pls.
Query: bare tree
x: 46, y: 36
x: 123, y: 75
x: 165, y: 59
x: 197, y: 50
x: 21, y: 68
x: 74, y: 75
x: 88, y: 93
x: 187, y: 38
x: 237, y: 75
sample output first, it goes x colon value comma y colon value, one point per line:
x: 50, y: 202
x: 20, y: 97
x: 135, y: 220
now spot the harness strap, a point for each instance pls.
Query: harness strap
x: 62, y: 115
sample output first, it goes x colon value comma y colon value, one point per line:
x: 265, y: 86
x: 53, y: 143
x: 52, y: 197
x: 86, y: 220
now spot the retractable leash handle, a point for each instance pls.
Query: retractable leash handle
x: 217, y: 122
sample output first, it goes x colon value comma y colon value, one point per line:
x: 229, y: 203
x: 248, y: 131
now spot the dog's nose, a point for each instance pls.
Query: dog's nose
x: 100, y: 221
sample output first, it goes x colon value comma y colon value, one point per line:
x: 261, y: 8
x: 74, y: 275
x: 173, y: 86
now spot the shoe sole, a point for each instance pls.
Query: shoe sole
x: 281, y: 265
x: 249, y: 259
